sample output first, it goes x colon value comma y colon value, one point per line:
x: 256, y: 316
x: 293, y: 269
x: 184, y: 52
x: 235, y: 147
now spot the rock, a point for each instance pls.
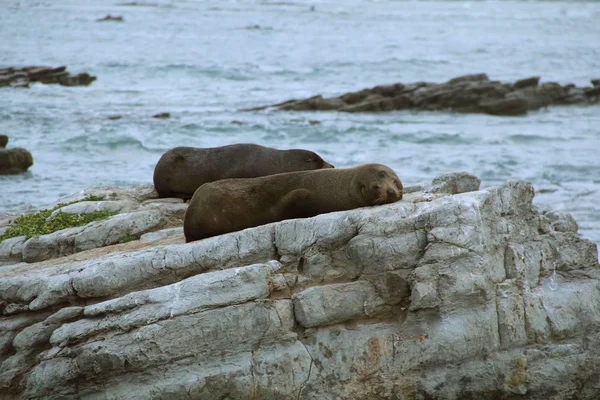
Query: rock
x: 87, y: 207
x: 3, y: 141
x: 114, y: 117
x: 527, y: 82
x: 593, y: 92
x: 163, y: 233
x: 135, y: 3
x: 14, y: 161
x: 595, y: 82
x: 451, y: 293
x: 474, y: 93
x: 109, y: 17
x: 47, y: 75
x: 162, y: 115
x: 506, y: 107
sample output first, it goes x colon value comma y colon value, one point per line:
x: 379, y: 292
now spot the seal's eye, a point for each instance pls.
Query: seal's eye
x: 376, y: 186
x: 310, y: 160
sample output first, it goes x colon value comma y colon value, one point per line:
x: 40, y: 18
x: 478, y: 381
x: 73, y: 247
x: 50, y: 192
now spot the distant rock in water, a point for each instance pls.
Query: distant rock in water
x: 474, y: 93
x: 162, y: 115
x: 135, y: 3
x: 13, y: 77
x: 114, y: 117
x: 109, y: 17
x: 13, y: 161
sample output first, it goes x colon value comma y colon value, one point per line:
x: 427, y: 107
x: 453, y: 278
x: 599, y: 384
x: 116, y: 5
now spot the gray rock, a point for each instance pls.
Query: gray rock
x: 163, y: 233
x: 117, y: 229
x: 88, y: 207
x: 451, y: 293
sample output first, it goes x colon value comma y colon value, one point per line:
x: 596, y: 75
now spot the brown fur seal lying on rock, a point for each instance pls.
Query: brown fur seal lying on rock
x: 182, y: 170
x: 235, y: 204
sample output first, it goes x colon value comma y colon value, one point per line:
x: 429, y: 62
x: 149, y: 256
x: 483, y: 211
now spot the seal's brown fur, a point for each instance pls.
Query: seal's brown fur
x: 182, y: 170
x: 235, y: 204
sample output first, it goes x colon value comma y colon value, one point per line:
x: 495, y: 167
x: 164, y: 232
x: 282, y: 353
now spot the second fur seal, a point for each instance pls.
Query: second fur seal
x: 182, y: 170
x: 234, y: 204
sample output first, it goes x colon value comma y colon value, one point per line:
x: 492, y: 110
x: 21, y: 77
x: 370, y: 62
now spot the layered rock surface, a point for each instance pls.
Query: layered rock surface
x: 15, y: 77
x: 466, y: 94
x: 138, y: 212
x: 443, y: 295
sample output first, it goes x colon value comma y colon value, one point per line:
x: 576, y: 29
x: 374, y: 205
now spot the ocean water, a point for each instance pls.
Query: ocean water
x: 202, y: 61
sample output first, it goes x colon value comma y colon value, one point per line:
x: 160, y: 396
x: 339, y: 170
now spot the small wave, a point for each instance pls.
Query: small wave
x: 437, y: 138
x: 95, y: 143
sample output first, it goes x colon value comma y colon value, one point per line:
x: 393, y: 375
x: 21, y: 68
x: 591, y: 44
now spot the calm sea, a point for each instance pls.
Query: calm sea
x: 202, y: 61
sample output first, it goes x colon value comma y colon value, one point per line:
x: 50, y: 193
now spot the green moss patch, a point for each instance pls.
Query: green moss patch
x: 36, y: 224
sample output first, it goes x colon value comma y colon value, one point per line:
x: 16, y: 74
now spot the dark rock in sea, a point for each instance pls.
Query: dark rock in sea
x: 593, y: 92
x: 109, y: 17
x: 533, y: 81
x: 162, y: 115
x: 113, y: 117
x: 474, y: 93
x: 595, y: 82
x: 236, y: 122
x: 11, y: 77
x: 13, y: 161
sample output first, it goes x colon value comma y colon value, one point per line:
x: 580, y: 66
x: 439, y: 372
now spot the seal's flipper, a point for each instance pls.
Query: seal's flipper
x: 295, y: 204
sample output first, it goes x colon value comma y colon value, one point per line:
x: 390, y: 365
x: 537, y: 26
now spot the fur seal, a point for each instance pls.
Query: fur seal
x: 235, y: 204
x: 182, y: 170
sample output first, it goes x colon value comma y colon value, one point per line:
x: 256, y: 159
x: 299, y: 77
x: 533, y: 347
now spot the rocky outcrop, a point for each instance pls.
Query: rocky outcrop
x: 14, y: 77
x: 13, y: 161
x: 466, y: 94
x: 443, y: 295
x: 138, y: 212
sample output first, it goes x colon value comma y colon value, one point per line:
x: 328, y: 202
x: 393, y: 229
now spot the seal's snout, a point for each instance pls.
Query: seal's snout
x: 394, y: 194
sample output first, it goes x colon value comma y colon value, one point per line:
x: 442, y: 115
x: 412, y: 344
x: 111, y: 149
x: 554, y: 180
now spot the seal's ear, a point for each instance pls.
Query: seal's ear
x: 364, y: 190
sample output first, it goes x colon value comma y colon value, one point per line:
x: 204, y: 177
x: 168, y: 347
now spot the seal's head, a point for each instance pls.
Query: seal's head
x: 379, y: 184
x: 307, y: 158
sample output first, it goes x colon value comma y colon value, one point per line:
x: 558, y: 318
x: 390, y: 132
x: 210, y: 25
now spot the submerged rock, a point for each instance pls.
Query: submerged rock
x: 451, y: 293
x: 474, y: 93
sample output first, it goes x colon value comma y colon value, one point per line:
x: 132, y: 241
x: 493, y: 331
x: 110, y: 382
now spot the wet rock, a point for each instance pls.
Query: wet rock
x: 466, y: 294
x: 23, y: 77
x: 595, y: 82
x: 109, y: 17
x: 15, y: 160
x: 115, y: 117
x: 506, y: 107
x: 474, y: 93
x: 162, y: 115
x: 533, y: 81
